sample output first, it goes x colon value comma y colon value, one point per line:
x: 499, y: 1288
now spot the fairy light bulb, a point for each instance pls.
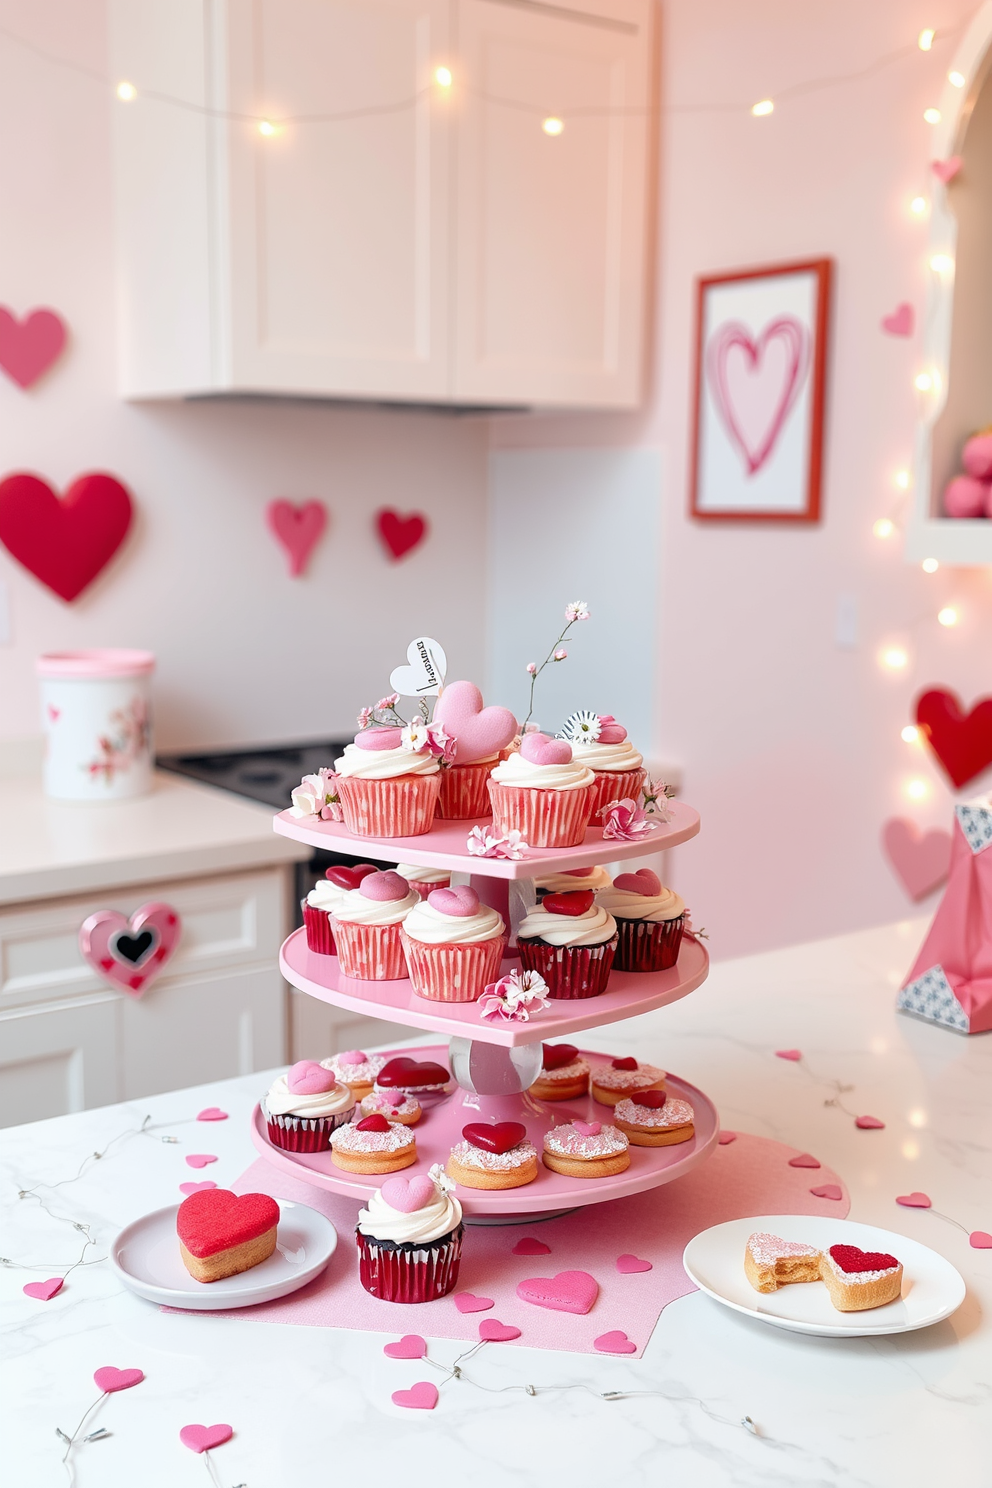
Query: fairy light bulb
x: 266, y: 128
x: 947, y: 616
x: 932, y: 115
x: 442, y: 76
x: 925, y: 39
x: 923, y: 382
x: 941, y: 263
x: 917, y: 789
x: 766, y: 106
x: 901, y: 479
x: 884, y: 527
x: 894, y: 658
x: 910, y: 734
x: 552, y: 125
x: 918, y: 206
x: 956, y: 79
x: 929, y: 565
x: 126, y: 92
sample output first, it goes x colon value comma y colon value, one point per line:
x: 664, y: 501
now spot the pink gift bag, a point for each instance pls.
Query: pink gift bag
x: 951, y: 980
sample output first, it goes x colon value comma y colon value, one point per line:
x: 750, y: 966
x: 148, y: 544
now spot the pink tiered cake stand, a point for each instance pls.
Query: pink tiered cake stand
x: 494, y: 1063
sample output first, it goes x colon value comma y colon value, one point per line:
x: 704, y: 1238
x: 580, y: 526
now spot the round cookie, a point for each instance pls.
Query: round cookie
x: 624, y: 1077
x: 395, y: 1105
x: 586, y: 1149
x: 356, y: 1069
x: 373, y: 1145
x: 564, y: 1074
x: 654, y: 1119
x: 493, y: 1156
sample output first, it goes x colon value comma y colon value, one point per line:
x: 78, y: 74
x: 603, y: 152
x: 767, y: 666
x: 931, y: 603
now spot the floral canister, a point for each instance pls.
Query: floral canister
x: 97, y: 722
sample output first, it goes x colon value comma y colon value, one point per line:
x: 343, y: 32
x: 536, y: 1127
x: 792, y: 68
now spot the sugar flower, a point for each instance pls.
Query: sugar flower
x: 514, y: 997
x: 625, y: 821
x: 414, y: 737
x: 482, y: 844
x: 443, y: 1180
x: 581, y: 727
x: 656, y: 795
x: 313, y: 796
x: 577, y: 610
x: 365, y: 717
x: 384, y: 704
x: 441, y: 744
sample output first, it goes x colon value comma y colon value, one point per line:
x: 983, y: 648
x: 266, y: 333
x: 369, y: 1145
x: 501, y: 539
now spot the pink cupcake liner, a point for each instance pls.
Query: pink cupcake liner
x: 370, y: 953
x: 423, y: 889
x: 648, y: 945
x: 464, y: 796
x: 571, y: 972
x: 615, y: 785
x: 453, y: 973
x: 401, y: 807
x: 409, y: 1273
x: 320, y: 937
x: 545, y: 818
x: 304, y: 1133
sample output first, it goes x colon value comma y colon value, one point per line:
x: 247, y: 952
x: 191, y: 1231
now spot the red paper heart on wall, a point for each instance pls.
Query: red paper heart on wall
x: 961, y: 741
x: 400, y: 534
x: 28, y: 347
x: 64, y: 543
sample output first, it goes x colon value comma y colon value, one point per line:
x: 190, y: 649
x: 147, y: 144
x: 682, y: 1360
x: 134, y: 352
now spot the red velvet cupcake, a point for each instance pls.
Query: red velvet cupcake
x: 304, y: 1106
x: 410, y: 1239
x: 650, y: 921
x: 570, y: 940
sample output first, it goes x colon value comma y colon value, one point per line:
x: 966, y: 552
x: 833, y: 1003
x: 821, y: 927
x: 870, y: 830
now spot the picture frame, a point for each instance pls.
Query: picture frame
x: 760, y: 393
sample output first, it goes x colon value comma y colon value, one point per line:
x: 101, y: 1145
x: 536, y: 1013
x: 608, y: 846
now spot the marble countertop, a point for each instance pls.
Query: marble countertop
x: 312, y: 1405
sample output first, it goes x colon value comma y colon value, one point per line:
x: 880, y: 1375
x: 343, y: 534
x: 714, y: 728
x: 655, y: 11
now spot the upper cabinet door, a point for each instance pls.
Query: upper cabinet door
x: 331, y: 238
x: 551, y: 223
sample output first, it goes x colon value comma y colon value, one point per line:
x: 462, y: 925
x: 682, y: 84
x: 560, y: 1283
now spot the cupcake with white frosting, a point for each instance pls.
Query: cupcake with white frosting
x: 594, y: 878
x: 600, y: 742
x: 367, y: 924
x: 453, y: 945
x: 424, y: 879
x: 304, y: 1106
x: 356, y: 1069
x: 388, y: 783
x: 322, y: 900
x: 650, y: 920
x: 570, y: 940
x: 410, y: 1239
x: 477, y: 737
x: 541, y: 792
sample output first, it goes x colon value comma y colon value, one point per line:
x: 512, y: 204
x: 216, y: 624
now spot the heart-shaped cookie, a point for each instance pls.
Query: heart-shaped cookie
x: 576, y: 902
x: 459, y: 903
x: 499, y: 1137
x: 540, y: 749
x: 556, y: 1055
x: 569, y: 1291
x: 479, y: 732
x: 216, y: 1219
x: 412, y: 1074
x: 642, y: 882
x: 407, y: 1194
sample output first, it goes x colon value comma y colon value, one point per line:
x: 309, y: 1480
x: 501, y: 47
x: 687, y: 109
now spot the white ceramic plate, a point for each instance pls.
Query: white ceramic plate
x: 146, y: 1257
x: 931, y: 1288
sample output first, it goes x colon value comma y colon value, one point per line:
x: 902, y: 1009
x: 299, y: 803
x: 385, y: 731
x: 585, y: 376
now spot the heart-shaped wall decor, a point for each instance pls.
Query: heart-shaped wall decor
x: 64, y: 543
x: 754, y: 383
x: 479, y: 732
x: 424, y: 672
x: 297, y: 528
x: 921, y: 860
x: 946, y: 170
x: 961, y: 741
x: 28, y: 347
x: 902, y: 321
x: 400, y: 534
x: 129, y: 954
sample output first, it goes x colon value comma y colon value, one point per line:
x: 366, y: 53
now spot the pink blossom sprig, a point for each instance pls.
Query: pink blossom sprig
x: 514, y: 997
x: 656, y: 795
x: 417, y: 734
x: 575, y: 612
x: 625, y: 821
x: 482, y: 844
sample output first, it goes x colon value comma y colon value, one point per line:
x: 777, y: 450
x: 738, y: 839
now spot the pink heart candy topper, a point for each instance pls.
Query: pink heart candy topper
x: 111, y: 1380
x: 478, y: 732
x: 353, y: 1056
x: 384, y: 887
x: 309, y: 1078
x: 378, y: 738
x: 392, y: 1098
x: 588, y: 1128
x: 459, y: 903
x: 540, y: 749
x: 642, y: 882
x: 408, y: 1194
x: 610, y: 732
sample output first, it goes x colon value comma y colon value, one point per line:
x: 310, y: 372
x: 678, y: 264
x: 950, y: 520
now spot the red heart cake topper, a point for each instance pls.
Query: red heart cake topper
x: 556, y: 1055
x: 400, y: 534
x: 852, y: 1259
x: 129, y: 954
x: 642, y: 882
x: 64, y: 543
x: 653, y: 1100
x: 373, y: 1123
x: 478, y: 731
x: 627, y: 1063
x: 961, y: 741
x: 297, y: 528
x: 215, y: 1219
x: 574, y: 903
x: 349, y: 878
x: 499, y: 1137
x: 28, y: 347
x: 412, y: 1074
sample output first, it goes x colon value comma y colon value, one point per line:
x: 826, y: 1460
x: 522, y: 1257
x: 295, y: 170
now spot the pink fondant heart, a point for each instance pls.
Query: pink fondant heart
x: 614, y: 1342
x: 804, y: 1160
x: 569, y: 1291
x: 351, y: 1057
x: 188, y: 1188
x: 130, y: 954
x: 383, y: 888
x: 202, y: 1438
x: 539, y: 749
x: 901, y: 322
x: 28, y: 347
x: 527, y: 1246
x: 408, y: 1194
x: 793, y: 1054
x: 827, y: 1191
x: 297, y: 528
x: 726, y: 1137
x: 421, y: 1396
x: 212, y: 1113
x: 491, y: 1330
x: 610, y: 732
x: 588, y: 1128
x: 307, y: 1077
x: 43, y: 1291
x: 642, y: 882
x: 627, y: 1265
x: 200, y: 1159
x: 468, y: 1302
x: 459, y: 903
x: 378, y: 738
x: 392, y: 1098
x: 410, y: 1346
x: 946, y: 170
x: 915, y: 1200
x: 980, y: 1240
x: 110, y: 1380
x: 920, y: 860
x: 869, y: 1123
x: 479, y: 732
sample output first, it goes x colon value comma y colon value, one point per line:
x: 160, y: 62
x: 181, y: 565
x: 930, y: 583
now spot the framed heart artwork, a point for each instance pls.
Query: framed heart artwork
x: 761, y: 353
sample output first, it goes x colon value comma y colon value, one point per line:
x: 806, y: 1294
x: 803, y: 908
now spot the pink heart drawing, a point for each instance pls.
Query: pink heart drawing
x: 199, y: 1159
x: 946, y: 170
x: 915, y: 1200
x: 980, y: 1240
x: 754, y: 382
x: 529, y: 1246
x: 410, y: 1346
x: 569, y: 1291
x: 902, y: 321
x: 804, y: 1160
x: 920, y: 860
x: 130, y: 953
x: 794, y: 1054
x: 297, y: 528
x: 628, y: 1264
x: 202, y: 1438
x: 421, y: 1396
x: 468, y: 1302
x: 188, y: 1188
x: 478, y: 732
x: 43, y: 1291
x: 614, y: 1342
x: 726, y: 1137
x: 869, y: 1123
x: 28, y: 347
x: 827, y: 1191
x: 212, y: 1113
x: 111, y: 1380
x: 491, y: 1330
x: 408, y: 1194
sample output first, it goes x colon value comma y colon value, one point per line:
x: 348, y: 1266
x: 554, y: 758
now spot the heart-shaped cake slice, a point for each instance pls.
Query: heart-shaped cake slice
x: 222, y: 1233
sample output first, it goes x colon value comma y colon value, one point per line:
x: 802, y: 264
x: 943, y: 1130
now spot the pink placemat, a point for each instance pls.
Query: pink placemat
x: 749, y: 1175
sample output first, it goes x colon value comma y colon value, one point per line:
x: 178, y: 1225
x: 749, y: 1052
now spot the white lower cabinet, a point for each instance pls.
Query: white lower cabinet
x: 54, y: 1060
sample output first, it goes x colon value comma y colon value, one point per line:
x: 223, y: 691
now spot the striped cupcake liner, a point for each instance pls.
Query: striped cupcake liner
x: 401, y: 807
x: 320, y: 937
x: 304, y: 1133
x: 369, y: 953
x: 615, y: 785
x: 571, y: 972
x: 409, y: 1273
x: 544, y: 818
x: 423, y: 888
x: 464, y: 795
x: 648, y: 945
x: 452, y: 973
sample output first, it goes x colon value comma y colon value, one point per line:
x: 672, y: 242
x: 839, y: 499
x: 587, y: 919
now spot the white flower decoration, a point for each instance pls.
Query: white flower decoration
x: 581, y: 727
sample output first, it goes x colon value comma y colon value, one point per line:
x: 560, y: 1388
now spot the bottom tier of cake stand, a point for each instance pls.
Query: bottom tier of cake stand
x: 550, y: 1194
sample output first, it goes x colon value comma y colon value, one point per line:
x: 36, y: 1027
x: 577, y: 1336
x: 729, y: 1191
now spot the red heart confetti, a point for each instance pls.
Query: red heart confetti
x: 410, y: 1346
x: 614, y: 1342
x: 110, y: 1380
x: 915, y: 1200
x: 827, y: 1191
x: 421, y: 1396
x: 43, y: 1291
x: 491, y: 1330
x: 793, y: 1054
x: 527, y: 1246
x: 468, y: 1302
x: 627, y: 1265
x: 804, y: 1160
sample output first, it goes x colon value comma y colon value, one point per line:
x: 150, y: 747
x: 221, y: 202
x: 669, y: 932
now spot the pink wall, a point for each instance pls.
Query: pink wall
x: 791, y: 746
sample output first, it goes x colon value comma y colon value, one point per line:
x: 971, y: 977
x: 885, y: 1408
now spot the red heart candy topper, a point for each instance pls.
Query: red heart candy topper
x: 498, y: 1138
x: 961, y: 741
x: 574, y: 903
x: 557, y: 1055
x: 65, y: 543
x: 411, y: 1074
x: 373, y: 1123
x: 349, y: 878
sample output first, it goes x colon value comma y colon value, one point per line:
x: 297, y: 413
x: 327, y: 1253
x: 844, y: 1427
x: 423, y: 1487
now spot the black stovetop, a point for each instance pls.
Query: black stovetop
x: 266, y: 773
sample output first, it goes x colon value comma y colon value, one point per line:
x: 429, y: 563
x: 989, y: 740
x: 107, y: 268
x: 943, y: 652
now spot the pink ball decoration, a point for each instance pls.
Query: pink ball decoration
x: 977, y: 456
x: 964, y: 496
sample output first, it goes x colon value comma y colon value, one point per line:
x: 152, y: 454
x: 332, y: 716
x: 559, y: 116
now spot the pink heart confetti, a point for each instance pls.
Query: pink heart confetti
x: 111, y: 1380
x: 804, y: 1160
x: 528, y: 1246
x: 189, y: 1188
x: 869, y: 1123
x: 914, y: 1200
x: 491, y: 1330
x: 200, y: 1159
x: 588, y: 1128
x: 421, y: 1396
x: 946, y: 170
x: 827, y: 1191
x: 410, y: 1346
x: 569, y: 1291
x: 212, y: 1113
x: 980, y: 1240
x: 202, y: 1438
x: 793, y: 1054
x: 901, y: 322
x: 628, y: 1264
x: 726, y: 1137
x: 614, y: 1342
x: 468, y: 1302
x: 43, y: 1291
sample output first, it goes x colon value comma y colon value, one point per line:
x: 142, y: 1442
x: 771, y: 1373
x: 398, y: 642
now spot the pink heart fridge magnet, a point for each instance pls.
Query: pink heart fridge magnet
x: 43, y: 1291
x: 410, y: 1346
x: 110, y: 1380
x: 627, y: 1265
x: 794, y: 1054
x: 901, y: 322
x: 421, y: 1396
x: 726, y: 1137
x: 920, y: 860
x: 529, y: 1246
x: 129, y: 954
x: 468, y: 1302
x: 212, y: 1113
x: 569, y: 1291
x: 804, y: 1160
x: 199, y: 1159
x: 400, y: 534
x: 614, y: 1342
x: 946, y: 170
x: 491, y: 1330
x: 30, y: 346
x: 869, y: 1123
x: 980, y: 1240
x: 64, y: 541
x: 915, y: 1200
x: 297, y: 528
x: 191, y: 1188
x: 754, y: 383
x: 827, y: 1191
x: 203, y: 1438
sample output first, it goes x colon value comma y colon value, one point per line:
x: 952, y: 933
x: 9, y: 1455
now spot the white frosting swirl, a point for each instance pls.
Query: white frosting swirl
x: 518, y: 771
x: 431, y: 927
x: 411, y: 871
x: 326, y: 895
x: 568, y: 883
x: 355, y: 909
x: 592, y: 928
x: 281, y: 1101
x: 438, y: 1217
x: 610, y: 757
x: 625, y: 905
x: 385, y: 764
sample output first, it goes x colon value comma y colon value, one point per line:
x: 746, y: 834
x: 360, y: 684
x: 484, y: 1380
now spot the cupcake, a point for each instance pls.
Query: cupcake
x: 478, y: 735
x: 424, y: 879
x: 453, y: 945
x: 373, y: 1145
x: 649, y: 921
x: 421, y: 1079
x: 609, y: 1083
x: 543, y: 793
x: 305, y: 1106
x: 586, y: 1149
x: 410, y: 1239
x: 356, y: 1069
x: 366, y: 926
x: 322, y: 900
x: 564, y: 1074
x: 395, y: 1105
x: 493, y: 1156
x: 572, y: 878
x: 600, y: 742
x: 570, y: 940
x: 386, y: 788
x: 654, y: 1119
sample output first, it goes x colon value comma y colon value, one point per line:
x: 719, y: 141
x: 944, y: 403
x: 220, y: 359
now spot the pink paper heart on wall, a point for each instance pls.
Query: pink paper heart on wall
x: 399, y: 534
x: 478, y: 731
x: 408, y: 1194
x: 614, y: 1342
x: 200, y: 1159
x: 869, y: 1123
x: 793, y: 1054
x: 43, y: 1291
x: 946, y: 170
x: 980, y: 1240
x: 65, y: 542
x: 212, y: 1113
x: 203, y: 1438
x: 130, y: 954
x: 190, y: 1188
x: 491, y: 1330
x: 460, y: 902
x: 528, y: 1246
x: 29, y: 347
x: 902, y: 321
x: 421, y: 1396
x: 297, y: 528
x: 569, y: 1291
x: 410, y: 1346
x: 111, y: 1380
x: 827, y: 1191
x: 540, y: 749
x: 468, y: 1302
x: 920, y: 860
x: 754, y: 383
x: 915, y: 1200
x: 804, y: 1160
x: 629, y: 1265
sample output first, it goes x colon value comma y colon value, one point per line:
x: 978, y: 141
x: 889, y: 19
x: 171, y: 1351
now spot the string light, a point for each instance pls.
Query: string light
x: 901, y: 479
x: 956, y: 79
x: 552, y: 125
x: 941, y: 263
x: 884, y: 527
x: 266, y: 128
x: 917, y: 790
x: 910, y: 734
x: 923, y: 382
x: 126, y: 92
x: 442, y: 76
x: 948, y: 616
x: 766, y: 106
x: 925, y: 39
x: 932, y: 115
x: 918, y: 206
x: 929, y: 565
x: 895, y: 658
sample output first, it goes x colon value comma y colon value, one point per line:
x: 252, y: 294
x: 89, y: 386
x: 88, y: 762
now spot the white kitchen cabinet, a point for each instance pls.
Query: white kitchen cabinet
x: 426, y: 244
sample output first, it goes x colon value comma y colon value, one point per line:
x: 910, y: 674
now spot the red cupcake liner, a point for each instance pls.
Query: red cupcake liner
x: 648, y: 945
x: 615, y: 785
x: 463, y: 792
x: 544, y: 818
x: 408, y: 1273
x: 452, y: 973
x: 401, y: 807
x: 320, y: 936
x: 370, y: 953
x: 423, y: 889
x: 304, y: 1133
x: 571, y: 972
